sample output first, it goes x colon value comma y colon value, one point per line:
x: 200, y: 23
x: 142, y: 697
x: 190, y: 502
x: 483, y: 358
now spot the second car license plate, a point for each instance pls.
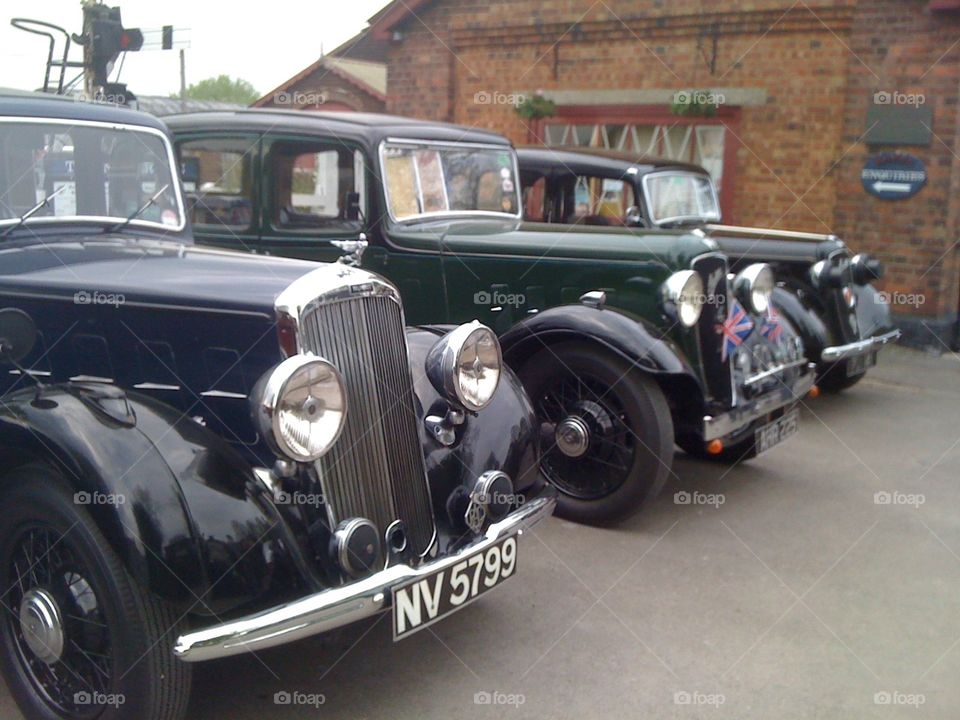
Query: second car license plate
x: 423, y: 602
x: 777, y: 431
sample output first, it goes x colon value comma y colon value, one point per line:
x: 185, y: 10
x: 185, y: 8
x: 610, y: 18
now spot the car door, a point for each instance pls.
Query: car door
x: 313, y: 195
x: 221, y: 181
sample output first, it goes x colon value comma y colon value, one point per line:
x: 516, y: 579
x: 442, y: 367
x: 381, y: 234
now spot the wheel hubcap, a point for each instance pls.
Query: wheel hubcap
x: 42, y: 625
x: 573, y: 437
x: 588, y: 436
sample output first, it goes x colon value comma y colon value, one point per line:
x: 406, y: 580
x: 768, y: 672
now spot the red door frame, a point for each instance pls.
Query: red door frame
x: 727, y: 116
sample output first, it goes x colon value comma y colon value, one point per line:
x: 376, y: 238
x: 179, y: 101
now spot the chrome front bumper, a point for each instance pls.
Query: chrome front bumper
x: 842, y: 352
x: 339, y: 606
x: 719, y: 426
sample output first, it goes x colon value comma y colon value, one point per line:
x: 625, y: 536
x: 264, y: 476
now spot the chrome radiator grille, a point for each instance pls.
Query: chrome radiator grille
x: 375, y: 470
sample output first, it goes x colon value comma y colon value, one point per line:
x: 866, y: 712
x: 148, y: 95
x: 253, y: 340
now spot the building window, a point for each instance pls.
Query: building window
x: 699, y: 143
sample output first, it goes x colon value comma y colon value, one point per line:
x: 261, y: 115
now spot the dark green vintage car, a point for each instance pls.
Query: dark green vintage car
x: 828, y: 292
x: 626, y: 347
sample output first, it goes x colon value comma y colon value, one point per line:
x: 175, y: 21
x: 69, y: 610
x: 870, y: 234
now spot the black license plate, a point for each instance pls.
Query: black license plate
x: 425, y: 601
x: 776, y: 432
x: 859, y: 364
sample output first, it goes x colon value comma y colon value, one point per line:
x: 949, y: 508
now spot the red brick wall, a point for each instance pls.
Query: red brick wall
x: 798, y: 163
x: 899, y: 45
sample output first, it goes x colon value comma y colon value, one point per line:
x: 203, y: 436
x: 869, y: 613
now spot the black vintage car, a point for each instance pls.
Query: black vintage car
x: 207, y: 453
x: 824, y: 289
x: 626, y: 347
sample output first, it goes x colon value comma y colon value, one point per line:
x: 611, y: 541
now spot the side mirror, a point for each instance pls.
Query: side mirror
x: 634, y: 218
x: 18, y: 334
x: 352, y: 211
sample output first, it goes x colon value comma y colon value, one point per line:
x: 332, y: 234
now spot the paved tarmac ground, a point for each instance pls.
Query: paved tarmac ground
x: 821, y: 580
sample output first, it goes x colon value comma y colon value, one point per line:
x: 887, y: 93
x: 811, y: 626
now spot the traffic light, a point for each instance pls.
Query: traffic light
x: 107, y: 38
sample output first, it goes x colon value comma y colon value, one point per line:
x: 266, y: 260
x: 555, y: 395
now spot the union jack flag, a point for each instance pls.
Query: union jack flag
x: 771, y: 328
x: 735, y: 329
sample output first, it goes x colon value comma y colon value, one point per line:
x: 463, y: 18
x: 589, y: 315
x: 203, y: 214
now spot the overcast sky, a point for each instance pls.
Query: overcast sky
x: 264, y: 46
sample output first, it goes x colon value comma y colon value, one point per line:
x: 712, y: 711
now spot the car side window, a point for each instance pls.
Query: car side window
x: 598, y: 201
x: 315, y: 187
x: 218, y: 179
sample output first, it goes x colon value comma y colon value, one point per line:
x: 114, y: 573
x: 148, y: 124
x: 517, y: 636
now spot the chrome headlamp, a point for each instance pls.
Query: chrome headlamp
x: 754, y: 286
x: 865, y: 269
x: 465, y: 365
x: 683, y: 297
x: 825, y: 275
x: 301, y: 407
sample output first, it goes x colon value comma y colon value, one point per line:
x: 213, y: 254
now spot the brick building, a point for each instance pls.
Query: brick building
x: 805, y: 93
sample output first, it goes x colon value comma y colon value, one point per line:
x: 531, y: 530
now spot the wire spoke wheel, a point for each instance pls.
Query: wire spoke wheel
x: 80, y: 638
x: 594, y: 446
x: 606, y: 431
x: 57, y: 623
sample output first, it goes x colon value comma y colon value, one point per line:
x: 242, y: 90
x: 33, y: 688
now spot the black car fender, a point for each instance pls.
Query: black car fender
x: 503, y: 436
x: 176, y: 503
x: 806, y: 321
x: 618, y: 331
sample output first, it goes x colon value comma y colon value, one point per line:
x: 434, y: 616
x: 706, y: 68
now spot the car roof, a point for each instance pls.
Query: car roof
x: 580, y: 159
x: 21, y: 103
x: 365, y: 127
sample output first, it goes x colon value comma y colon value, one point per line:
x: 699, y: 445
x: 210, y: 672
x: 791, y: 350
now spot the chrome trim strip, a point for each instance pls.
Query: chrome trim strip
x: 339, y: 606
x: 155, y: 386
x: 223, y: 394
x: 842, y: 352
x: 730, y: 422
x: 91, y: 379
x: 760, y: 233
x: 773, y: 371
x: 35, y: 373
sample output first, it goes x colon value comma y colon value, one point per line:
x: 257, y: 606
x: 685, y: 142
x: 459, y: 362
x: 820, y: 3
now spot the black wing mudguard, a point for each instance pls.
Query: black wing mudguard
x: 177, y: 504
x: 806, y: 321
x: 618, y: 331
x: 873, y: 318
x: 503, y: 436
